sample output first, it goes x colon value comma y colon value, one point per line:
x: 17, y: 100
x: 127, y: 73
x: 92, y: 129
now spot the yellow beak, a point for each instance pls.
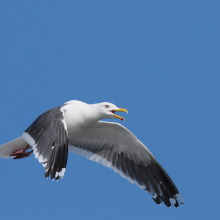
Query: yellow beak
x: 120, y: 110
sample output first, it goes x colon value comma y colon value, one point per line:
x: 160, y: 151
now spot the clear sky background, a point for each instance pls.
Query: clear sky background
x: 158, y: 59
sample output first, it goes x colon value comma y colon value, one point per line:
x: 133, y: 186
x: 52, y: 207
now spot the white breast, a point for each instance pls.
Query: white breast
x: 78, y: 115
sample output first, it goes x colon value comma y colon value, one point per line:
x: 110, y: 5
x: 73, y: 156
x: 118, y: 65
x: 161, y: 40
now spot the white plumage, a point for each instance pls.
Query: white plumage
x: 76, y: 127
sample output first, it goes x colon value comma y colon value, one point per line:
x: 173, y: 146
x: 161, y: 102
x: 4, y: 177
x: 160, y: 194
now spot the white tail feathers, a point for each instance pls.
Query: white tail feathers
x: 12, y: 146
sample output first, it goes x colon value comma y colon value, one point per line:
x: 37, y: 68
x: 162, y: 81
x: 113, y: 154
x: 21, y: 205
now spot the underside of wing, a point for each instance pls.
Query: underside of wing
x: 115, y: 147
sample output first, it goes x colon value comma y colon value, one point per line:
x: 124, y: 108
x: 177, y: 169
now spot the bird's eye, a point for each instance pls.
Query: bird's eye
x: 107, y: 106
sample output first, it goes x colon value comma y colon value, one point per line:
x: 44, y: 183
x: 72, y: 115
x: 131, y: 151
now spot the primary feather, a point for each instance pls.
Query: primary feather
x: 76, y: 127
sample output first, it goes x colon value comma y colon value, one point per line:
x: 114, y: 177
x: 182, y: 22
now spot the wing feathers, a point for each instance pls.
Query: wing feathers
x: 115, y: 147
x: 47, y: 135
x: 144, y: 177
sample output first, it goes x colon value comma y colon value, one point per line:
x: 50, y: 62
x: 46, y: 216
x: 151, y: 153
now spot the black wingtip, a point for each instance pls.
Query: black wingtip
x: 176, y: 204
x: 47, y: 174
x: 157, y: 200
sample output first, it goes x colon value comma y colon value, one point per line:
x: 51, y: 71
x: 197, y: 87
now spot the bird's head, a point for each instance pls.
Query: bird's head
x: 107, y: 110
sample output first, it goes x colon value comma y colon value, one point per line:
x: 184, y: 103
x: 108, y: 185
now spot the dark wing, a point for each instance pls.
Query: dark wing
x: 47, y: 135
x: 115, y: 147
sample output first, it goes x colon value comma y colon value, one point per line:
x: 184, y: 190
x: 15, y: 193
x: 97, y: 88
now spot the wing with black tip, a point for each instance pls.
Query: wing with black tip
x: 47, y: 135
x: 113, y: 146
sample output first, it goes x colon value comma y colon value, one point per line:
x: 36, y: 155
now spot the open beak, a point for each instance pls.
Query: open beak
x: 119, y: 110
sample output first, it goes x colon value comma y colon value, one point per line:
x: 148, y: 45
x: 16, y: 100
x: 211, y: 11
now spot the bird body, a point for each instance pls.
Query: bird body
x: 76, y: 127
x: 79, y: 115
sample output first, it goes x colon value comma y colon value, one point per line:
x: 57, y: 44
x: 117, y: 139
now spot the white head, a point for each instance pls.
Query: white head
x: 107, y: 110
x: 80, y: 113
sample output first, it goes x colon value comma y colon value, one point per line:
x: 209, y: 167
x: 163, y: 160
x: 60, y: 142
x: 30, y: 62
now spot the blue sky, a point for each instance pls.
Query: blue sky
x: 158, y: 59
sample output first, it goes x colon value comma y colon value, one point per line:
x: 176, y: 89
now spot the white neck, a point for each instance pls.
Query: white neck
x: 78, y: 115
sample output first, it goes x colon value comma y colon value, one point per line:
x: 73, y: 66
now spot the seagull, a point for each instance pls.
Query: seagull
x: 76, y: 127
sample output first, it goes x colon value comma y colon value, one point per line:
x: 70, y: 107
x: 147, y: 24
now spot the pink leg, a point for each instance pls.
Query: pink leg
x: 21, y: 153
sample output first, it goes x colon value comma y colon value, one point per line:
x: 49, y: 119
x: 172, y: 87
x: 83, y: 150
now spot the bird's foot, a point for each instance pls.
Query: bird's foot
x: 21, y: 153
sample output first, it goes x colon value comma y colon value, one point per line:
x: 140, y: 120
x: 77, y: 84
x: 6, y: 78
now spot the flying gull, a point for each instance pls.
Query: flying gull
x: 76, y: 127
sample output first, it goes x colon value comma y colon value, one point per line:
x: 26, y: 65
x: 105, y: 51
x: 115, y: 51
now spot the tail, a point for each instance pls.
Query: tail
x: 12, y: 146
